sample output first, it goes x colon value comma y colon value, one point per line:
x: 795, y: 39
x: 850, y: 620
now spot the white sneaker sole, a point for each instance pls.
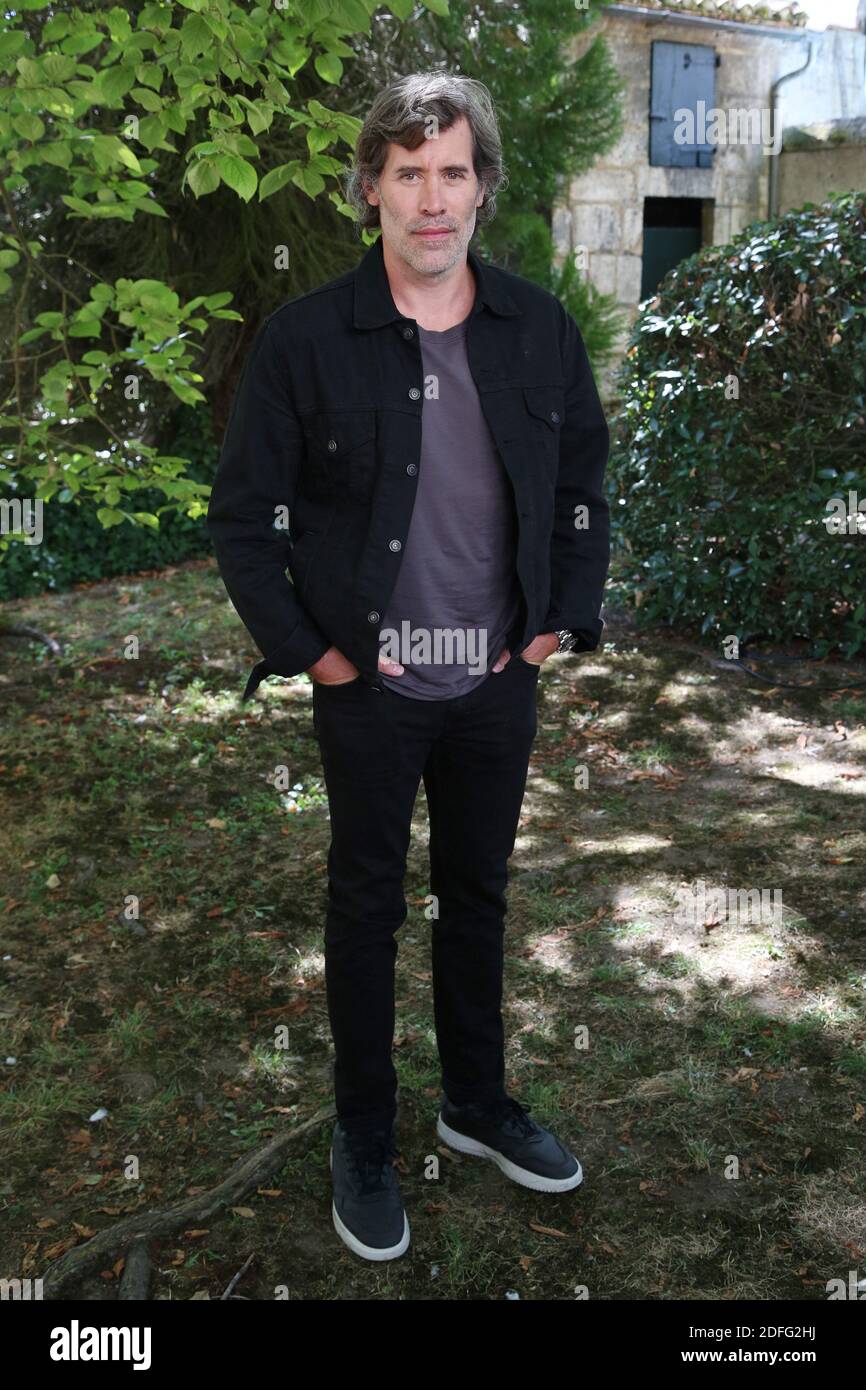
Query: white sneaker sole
x: 368, y: 1252
x: 524, y: 1176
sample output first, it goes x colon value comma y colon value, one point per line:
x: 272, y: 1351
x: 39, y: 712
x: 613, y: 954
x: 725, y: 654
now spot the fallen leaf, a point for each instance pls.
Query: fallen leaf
x: 548, y: 1231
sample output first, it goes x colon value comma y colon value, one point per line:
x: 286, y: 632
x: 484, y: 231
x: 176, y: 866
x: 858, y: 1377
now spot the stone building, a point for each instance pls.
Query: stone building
x: 733, y: 113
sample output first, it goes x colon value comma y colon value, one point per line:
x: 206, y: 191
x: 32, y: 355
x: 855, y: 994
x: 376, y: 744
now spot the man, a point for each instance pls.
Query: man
x: 430, y: 425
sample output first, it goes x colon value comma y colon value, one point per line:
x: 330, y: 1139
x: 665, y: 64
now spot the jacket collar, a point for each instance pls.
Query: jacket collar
x: 374, y: 303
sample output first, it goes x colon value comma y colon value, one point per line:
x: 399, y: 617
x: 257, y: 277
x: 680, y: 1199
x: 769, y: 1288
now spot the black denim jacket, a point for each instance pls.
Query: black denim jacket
x: 319, y: 465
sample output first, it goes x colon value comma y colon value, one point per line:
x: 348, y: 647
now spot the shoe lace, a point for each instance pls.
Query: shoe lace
x: 368, y: 1155
x: 511, y: 1110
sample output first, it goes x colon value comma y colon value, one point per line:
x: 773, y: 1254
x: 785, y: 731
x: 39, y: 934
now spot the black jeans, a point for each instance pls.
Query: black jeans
x: 473, y: 754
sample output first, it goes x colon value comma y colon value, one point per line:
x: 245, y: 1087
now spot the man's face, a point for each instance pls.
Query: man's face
x: 427, y: 200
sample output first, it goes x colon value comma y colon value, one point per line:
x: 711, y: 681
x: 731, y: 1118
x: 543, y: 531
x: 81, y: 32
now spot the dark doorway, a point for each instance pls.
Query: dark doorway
x: 673, y: 228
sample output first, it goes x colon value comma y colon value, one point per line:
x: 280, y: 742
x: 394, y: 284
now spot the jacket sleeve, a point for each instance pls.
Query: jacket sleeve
x: 580, y: 553
x: 257, y: 474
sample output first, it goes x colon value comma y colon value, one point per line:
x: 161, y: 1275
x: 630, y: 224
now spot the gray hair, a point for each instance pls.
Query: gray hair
x: 401, y: 113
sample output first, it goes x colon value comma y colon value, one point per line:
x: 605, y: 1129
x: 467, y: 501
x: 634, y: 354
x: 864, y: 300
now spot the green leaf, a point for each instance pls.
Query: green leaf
x: 78, y: 205
x: 149, y: 206
x: 190, y: 395
x: 238, y: 173
x: 57, y: 152
x: 124, y: 155
x: 56, y: 28
x: 85, y: 328
x: 291, y: 54
x: 117, y: 22
x: 83, y: 42
x: 329, y: 67
x: 29, y: 126
x: 325, y: 164
x: 185, y: 75
x: 202, y: 177
x: 151, y: 131
x: 309, y: 180
x: 277, y: 178
x: 342, y: 206
x: 352, y: 15
x: 195, y: 36
x: 260, y: 116
x: 114, y: 83
x: 149, y: 75
x: 156, y: 296
x: 147, y: 99
x: 12, y: 42
x: 318, y: 139
x: 347, y: 127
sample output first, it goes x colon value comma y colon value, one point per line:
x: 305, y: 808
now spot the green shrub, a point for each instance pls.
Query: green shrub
x: 76, y: 547
x: 744, y: 414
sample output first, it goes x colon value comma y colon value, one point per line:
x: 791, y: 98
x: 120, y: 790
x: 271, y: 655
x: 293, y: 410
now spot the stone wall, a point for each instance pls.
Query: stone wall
x: 821, y: 159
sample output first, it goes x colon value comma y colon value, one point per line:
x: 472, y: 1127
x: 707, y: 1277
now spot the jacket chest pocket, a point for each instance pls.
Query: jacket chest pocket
x: 545, y: 413
x: 341, y: 454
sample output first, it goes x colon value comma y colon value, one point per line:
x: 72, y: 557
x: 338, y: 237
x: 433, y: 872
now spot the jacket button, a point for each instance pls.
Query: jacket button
x: 554, y: 415
x: 332, y: 444
x: 394, y: 545
x: 373, y: 617
x: 408, y: 333
x: 414, y: 393
x: 412, y: 468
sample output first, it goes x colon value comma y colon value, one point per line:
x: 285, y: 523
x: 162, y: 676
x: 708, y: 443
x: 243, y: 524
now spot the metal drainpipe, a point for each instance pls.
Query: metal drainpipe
x: 773, y: 199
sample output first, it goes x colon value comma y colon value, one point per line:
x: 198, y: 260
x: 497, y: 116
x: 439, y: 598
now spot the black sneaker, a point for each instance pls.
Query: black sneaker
x: 503, y: 1131
x: 367, y: 1207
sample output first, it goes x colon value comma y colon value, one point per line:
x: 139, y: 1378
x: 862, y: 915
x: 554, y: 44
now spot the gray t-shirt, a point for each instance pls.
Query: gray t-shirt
x: 457, y: 593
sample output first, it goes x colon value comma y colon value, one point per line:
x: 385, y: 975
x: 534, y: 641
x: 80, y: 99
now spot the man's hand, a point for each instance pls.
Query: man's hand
x: 332, y: 669
x: 535, y: 654
x: 335, y: 669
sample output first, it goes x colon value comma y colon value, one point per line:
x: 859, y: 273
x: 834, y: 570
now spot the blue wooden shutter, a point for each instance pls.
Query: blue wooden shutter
x: 682, y: 75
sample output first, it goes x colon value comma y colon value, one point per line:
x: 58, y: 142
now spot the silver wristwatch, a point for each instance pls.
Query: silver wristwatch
x: 567, y: 640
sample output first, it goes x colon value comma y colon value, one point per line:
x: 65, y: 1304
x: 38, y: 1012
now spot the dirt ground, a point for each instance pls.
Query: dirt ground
x: 709, y: 1069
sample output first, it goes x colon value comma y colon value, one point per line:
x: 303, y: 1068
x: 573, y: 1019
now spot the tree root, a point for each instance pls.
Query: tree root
x: 260, y: 1166
x: 18, y: 630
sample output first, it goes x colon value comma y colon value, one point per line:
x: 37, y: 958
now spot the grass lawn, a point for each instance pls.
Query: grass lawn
x: 161, y: 914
